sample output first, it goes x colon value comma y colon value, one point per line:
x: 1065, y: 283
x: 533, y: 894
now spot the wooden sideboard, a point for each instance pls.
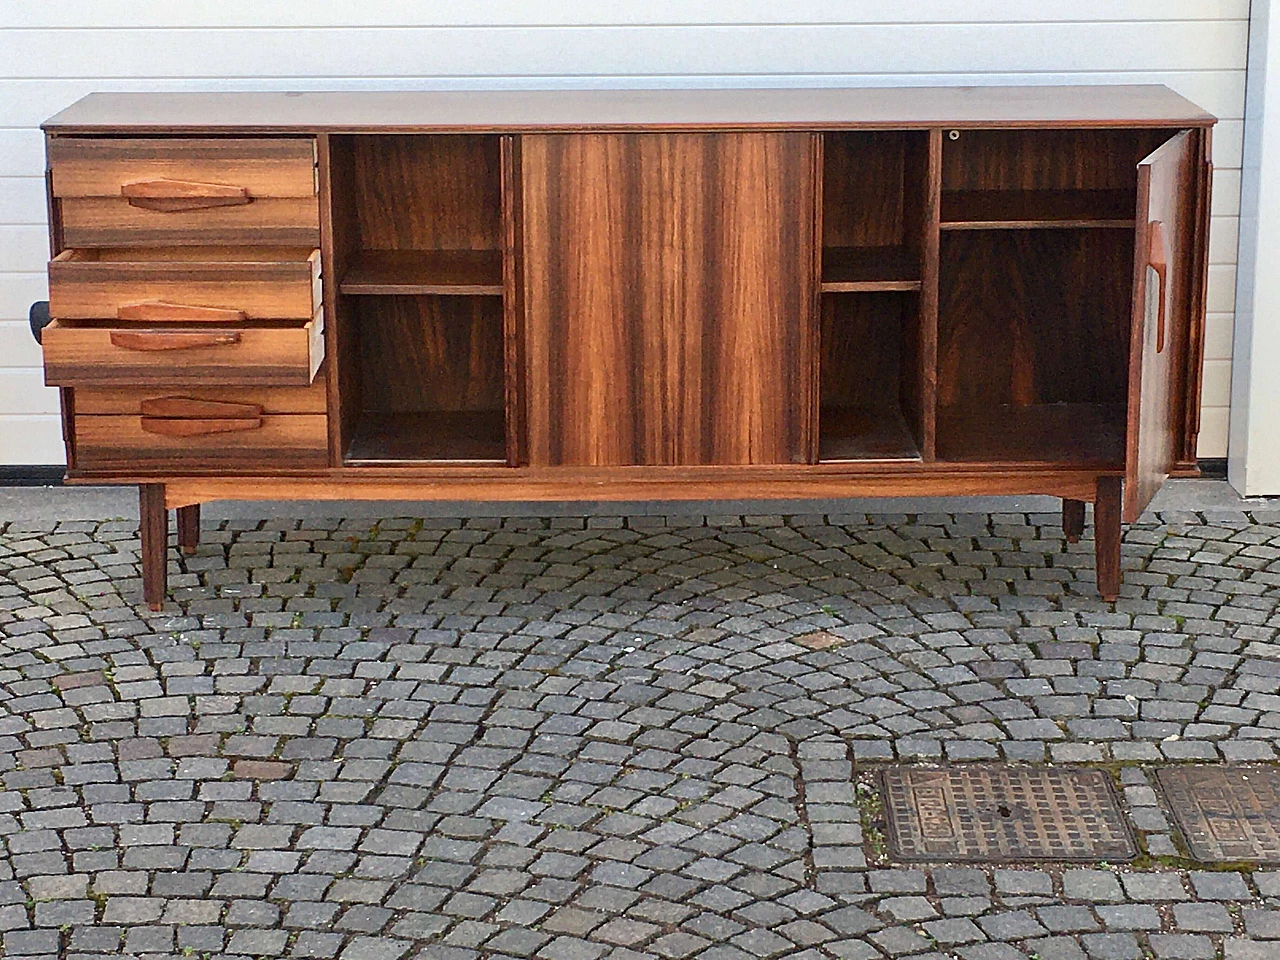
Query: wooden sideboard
x: 634, y: 295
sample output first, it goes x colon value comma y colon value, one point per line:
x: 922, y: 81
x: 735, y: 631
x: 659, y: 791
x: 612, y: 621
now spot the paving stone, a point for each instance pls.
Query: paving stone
x: 633, y: 736
x: 1204, y: 918
x: 1220, y: 886
x: 1111, y: 946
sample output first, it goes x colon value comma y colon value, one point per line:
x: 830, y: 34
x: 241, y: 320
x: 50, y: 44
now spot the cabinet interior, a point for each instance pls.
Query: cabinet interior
x: 1021, y: 357
x: 871, y: 404
x: 418, y: 236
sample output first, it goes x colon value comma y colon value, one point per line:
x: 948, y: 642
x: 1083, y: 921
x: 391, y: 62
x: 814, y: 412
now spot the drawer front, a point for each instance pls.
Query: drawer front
x: 85, y: 167
x: 112, y: 221
x: 193, y: 444
x: 200, y: 401
x: 207, y: 356
x: 257, y: 283
x: 183, y: 192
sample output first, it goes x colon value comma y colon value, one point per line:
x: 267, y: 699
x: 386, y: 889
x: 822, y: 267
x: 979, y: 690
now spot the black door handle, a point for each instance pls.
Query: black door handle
x: 38, y: 317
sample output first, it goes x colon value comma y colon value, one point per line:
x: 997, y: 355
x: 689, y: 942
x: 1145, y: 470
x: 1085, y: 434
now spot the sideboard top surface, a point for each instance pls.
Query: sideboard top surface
x: 824, y: 108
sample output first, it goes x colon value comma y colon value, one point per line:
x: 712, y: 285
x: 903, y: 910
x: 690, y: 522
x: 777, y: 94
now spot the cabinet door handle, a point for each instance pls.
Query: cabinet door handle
x: 173, y: 196
x: 155, y: 340
x: 199, y: 428
x: 1158, y: 260
x: 192, y: 408
x: 158, y: 311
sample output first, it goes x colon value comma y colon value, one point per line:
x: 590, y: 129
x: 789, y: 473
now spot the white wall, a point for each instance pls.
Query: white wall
x: 51, y: 53
x: 1254, y: 465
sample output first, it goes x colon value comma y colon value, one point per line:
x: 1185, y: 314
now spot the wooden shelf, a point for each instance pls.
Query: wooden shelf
x: 1066, y: 433
x: 868, y: 270
x: 410, y: 272
x: 1036, y: 209
x: 863, y: 433
x: 475, y: 436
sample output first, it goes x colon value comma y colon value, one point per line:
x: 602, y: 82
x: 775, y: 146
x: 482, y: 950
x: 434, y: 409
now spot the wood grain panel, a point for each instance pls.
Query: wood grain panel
x: 275, y: 167
x: 1034, y: 316
x: 863, y: 189
x: 430, y: 353
x: 427, y: 192
x: 669, y: 288
x: 1164, y: 261
x: 259, y: 282
x: 121, y: 442
x: 103, y: 355
x: 1046, y: 159
x: 112, y: 221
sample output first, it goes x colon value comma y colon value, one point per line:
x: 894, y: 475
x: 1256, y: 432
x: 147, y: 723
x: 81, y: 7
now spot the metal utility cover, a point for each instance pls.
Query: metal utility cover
x: 1004, y: 813
x: 1226, y: 813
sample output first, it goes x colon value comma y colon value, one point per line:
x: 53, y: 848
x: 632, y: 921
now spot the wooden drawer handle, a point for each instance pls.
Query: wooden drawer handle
x: 191, y: 407
x: 153, y: 340
x: 173, y: 196
x: 158, y: 311
x: 199, y: 428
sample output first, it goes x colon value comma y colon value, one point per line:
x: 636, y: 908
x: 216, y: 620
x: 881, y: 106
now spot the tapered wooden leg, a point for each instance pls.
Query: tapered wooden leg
x: 1106, y: 536
x: 155, y: 537
x: 189, y: 527
x: 1073, y: 519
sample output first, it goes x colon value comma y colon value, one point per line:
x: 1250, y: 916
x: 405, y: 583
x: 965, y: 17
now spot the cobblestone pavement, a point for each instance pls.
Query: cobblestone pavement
x: 612, y: 737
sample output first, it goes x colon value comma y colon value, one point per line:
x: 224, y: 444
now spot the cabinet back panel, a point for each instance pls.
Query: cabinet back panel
x: 427, y: 192
x: 1046, y: 159
x: 872, y: 189
x: 429, y: 353
x: 1034, y: 316
x: 862, y: 351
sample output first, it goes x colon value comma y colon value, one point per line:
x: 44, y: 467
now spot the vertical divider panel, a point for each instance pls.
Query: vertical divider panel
x: 513, y: 304
x: 329, y: 294
x: 928, y: 311
x: 336, y: 177
x: 814, y: 333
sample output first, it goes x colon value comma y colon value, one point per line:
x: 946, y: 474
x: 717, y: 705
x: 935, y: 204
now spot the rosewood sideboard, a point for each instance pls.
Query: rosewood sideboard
x: 634, y: 295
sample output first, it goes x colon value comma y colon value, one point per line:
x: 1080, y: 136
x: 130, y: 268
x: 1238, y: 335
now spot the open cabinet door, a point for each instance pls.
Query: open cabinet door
x: 1163, y: 248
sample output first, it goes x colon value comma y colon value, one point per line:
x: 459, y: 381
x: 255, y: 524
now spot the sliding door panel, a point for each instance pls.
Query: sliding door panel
x: 668, y: 283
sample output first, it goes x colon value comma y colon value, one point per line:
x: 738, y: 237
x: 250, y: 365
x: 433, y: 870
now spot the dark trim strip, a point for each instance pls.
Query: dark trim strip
x: 22, y: 475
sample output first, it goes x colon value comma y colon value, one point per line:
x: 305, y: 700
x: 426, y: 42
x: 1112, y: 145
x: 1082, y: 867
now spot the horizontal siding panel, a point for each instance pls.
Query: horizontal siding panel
x: 1217, y: 383
x: 1223, y: 232
x: 1218, y: 331
x: 1221, y: 293
x: 482, y: 13
x: 1226, y: 192
x: 21, y: 151
x: 52, y: 54
x: 1214, y: 423
x: 34, y: 441
x: 1228, y: 144
x: 18, y: 348
x: 23, y: 249
x: 23, y: 392
x: 568, y: 51
x: 22, y: 201
x: 19, y: 290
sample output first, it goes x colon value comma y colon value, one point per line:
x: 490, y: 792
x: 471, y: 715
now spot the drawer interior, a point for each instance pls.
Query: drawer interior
x: 179, y: 255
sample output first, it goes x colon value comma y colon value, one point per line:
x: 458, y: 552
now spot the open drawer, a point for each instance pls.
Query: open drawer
x: 185, y: 284
x: 107, y: 353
